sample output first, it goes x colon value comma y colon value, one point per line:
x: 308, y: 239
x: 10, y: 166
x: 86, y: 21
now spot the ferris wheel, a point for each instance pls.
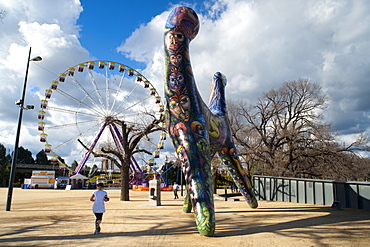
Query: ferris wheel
x: 85, y: 101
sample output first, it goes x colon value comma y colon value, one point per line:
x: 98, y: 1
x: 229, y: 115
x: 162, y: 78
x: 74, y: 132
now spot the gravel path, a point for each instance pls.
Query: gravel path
x: 64, y: 218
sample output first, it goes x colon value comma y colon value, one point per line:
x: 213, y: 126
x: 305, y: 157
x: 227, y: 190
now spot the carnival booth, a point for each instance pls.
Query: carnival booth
x: 42, y: 180
x: 78, y: 181
x: 61, y: 183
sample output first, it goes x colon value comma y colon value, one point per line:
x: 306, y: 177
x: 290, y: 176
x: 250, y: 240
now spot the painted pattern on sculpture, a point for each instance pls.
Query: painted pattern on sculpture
x: 197, y: 131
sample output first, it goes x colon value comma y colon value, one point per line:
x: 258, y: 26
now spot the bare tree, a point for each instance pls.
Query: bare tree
x: 215, y: 167
x: 2, y: 15
x: 132, y: 134
x: 284, y: 135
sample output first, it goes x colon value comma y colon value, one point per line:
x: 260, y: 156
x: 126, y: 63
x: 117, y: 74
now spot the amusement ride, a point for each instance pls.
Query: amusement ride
x: 83, y: 103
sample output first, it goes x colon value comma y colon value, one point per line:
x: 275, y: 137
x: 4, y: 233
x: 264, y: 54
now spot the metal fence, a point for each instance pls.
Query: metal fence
x: 346, y: 194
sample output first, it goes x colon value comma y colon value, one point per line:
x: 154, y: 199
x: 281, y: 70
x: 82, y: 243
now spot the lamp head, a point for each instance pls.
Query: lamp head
x: 38, y: 58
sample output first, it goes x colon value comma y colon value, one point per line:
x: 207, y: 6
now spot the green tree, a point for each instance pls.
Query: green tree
x: 74, y: 165
x: 4, y: 170
x: 172, y: 172
x: 60, y: 160
x: 24, y: 156
x: 42, y: 158
x: 85, y: 170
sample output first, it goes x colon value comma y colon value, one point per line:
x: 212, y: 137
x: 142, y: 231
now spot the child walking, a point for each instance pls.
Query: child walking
x: 99, y: 197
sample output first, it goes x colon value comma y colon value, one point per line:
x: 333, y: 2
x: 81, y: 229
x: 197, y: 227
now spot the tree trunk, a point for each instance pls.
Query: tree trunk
x: 214, y: 180
x: 125, y: 182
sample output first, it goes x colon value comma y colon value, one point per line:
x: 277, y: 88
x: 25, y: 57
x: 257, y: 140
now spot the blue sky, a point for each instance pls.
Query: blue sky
x: 258, y: 45
x: 115, y: 21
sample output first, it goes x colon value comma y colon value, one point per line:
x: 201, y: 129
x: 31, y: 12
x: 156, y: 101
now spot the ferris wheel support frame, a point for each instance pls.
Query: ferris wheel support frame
x: 87, y: 154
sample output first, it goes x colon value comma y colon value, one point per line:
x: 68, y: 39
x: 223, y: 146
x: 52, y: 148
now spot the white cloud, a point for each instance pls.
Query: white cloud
x: 259, y: 45
x: 145, y: 45
x: 49, y: 27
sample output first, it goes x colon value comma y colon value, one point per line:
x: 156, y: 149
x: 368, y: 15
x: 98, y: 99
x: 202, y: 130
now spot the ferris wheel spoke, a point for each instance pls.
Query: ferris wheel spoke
x: 78, y: 101
x: 133, y: 105
x: 139, y: 102
x: 72, y: 112
x: 149, y: 142
x: 86, y: 93
x: 93, y: 82
x: 126, y: 97
x: 118, y: 90
x: 128, y: 116
x: 76, y: 137
x: 70, y: 124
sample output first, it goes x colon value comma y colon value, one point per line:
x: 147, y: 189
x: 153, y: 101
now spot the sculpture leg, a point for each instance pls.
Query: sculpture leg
x: 230, y: 159
x: 204, y: 209
x: 187, y: 207
x: 199, y: 196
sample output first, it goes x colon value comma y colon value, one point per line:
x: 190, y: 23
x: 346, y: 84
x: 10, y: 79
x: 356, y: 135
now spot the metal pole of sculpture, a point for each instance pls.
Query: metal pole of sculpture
x: 198, y: 132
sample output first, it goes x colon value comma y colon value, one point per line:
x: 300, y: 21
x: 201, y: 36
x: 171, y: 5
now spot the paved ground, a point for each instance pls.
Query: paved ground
x: 64, y: 218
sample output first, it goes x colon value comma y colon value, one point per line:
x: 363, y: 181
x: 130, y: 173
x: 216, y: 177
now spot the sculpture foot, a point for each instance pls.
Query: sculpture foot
x: 249, y: 197
x: 207, y: 233
x: 187, y: 207
x: 206, y: 221
x: 253, y: 203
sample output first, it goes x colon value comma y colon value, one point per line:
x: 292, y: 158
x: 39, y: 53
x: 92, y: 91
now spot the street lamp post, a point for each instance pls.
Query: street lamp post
x: 15, y: 153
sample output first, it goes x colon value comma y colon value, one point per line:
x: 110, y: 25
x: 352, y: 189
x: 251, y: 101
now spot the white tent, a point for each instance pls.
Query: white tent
x: 78, y: 181
x: 79, y: 176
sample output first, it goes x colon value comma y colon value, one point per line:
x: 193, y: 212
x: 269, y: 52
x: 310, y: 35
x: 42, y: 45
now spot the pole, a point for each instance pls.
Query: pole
x: 15, y: 153
x: 165, y: 167
x: 182, y: 193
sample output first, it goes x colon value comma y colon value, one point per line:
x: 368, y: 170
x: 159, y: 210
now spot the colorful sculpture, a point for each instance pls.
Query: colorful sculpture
x: 198, y: 131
